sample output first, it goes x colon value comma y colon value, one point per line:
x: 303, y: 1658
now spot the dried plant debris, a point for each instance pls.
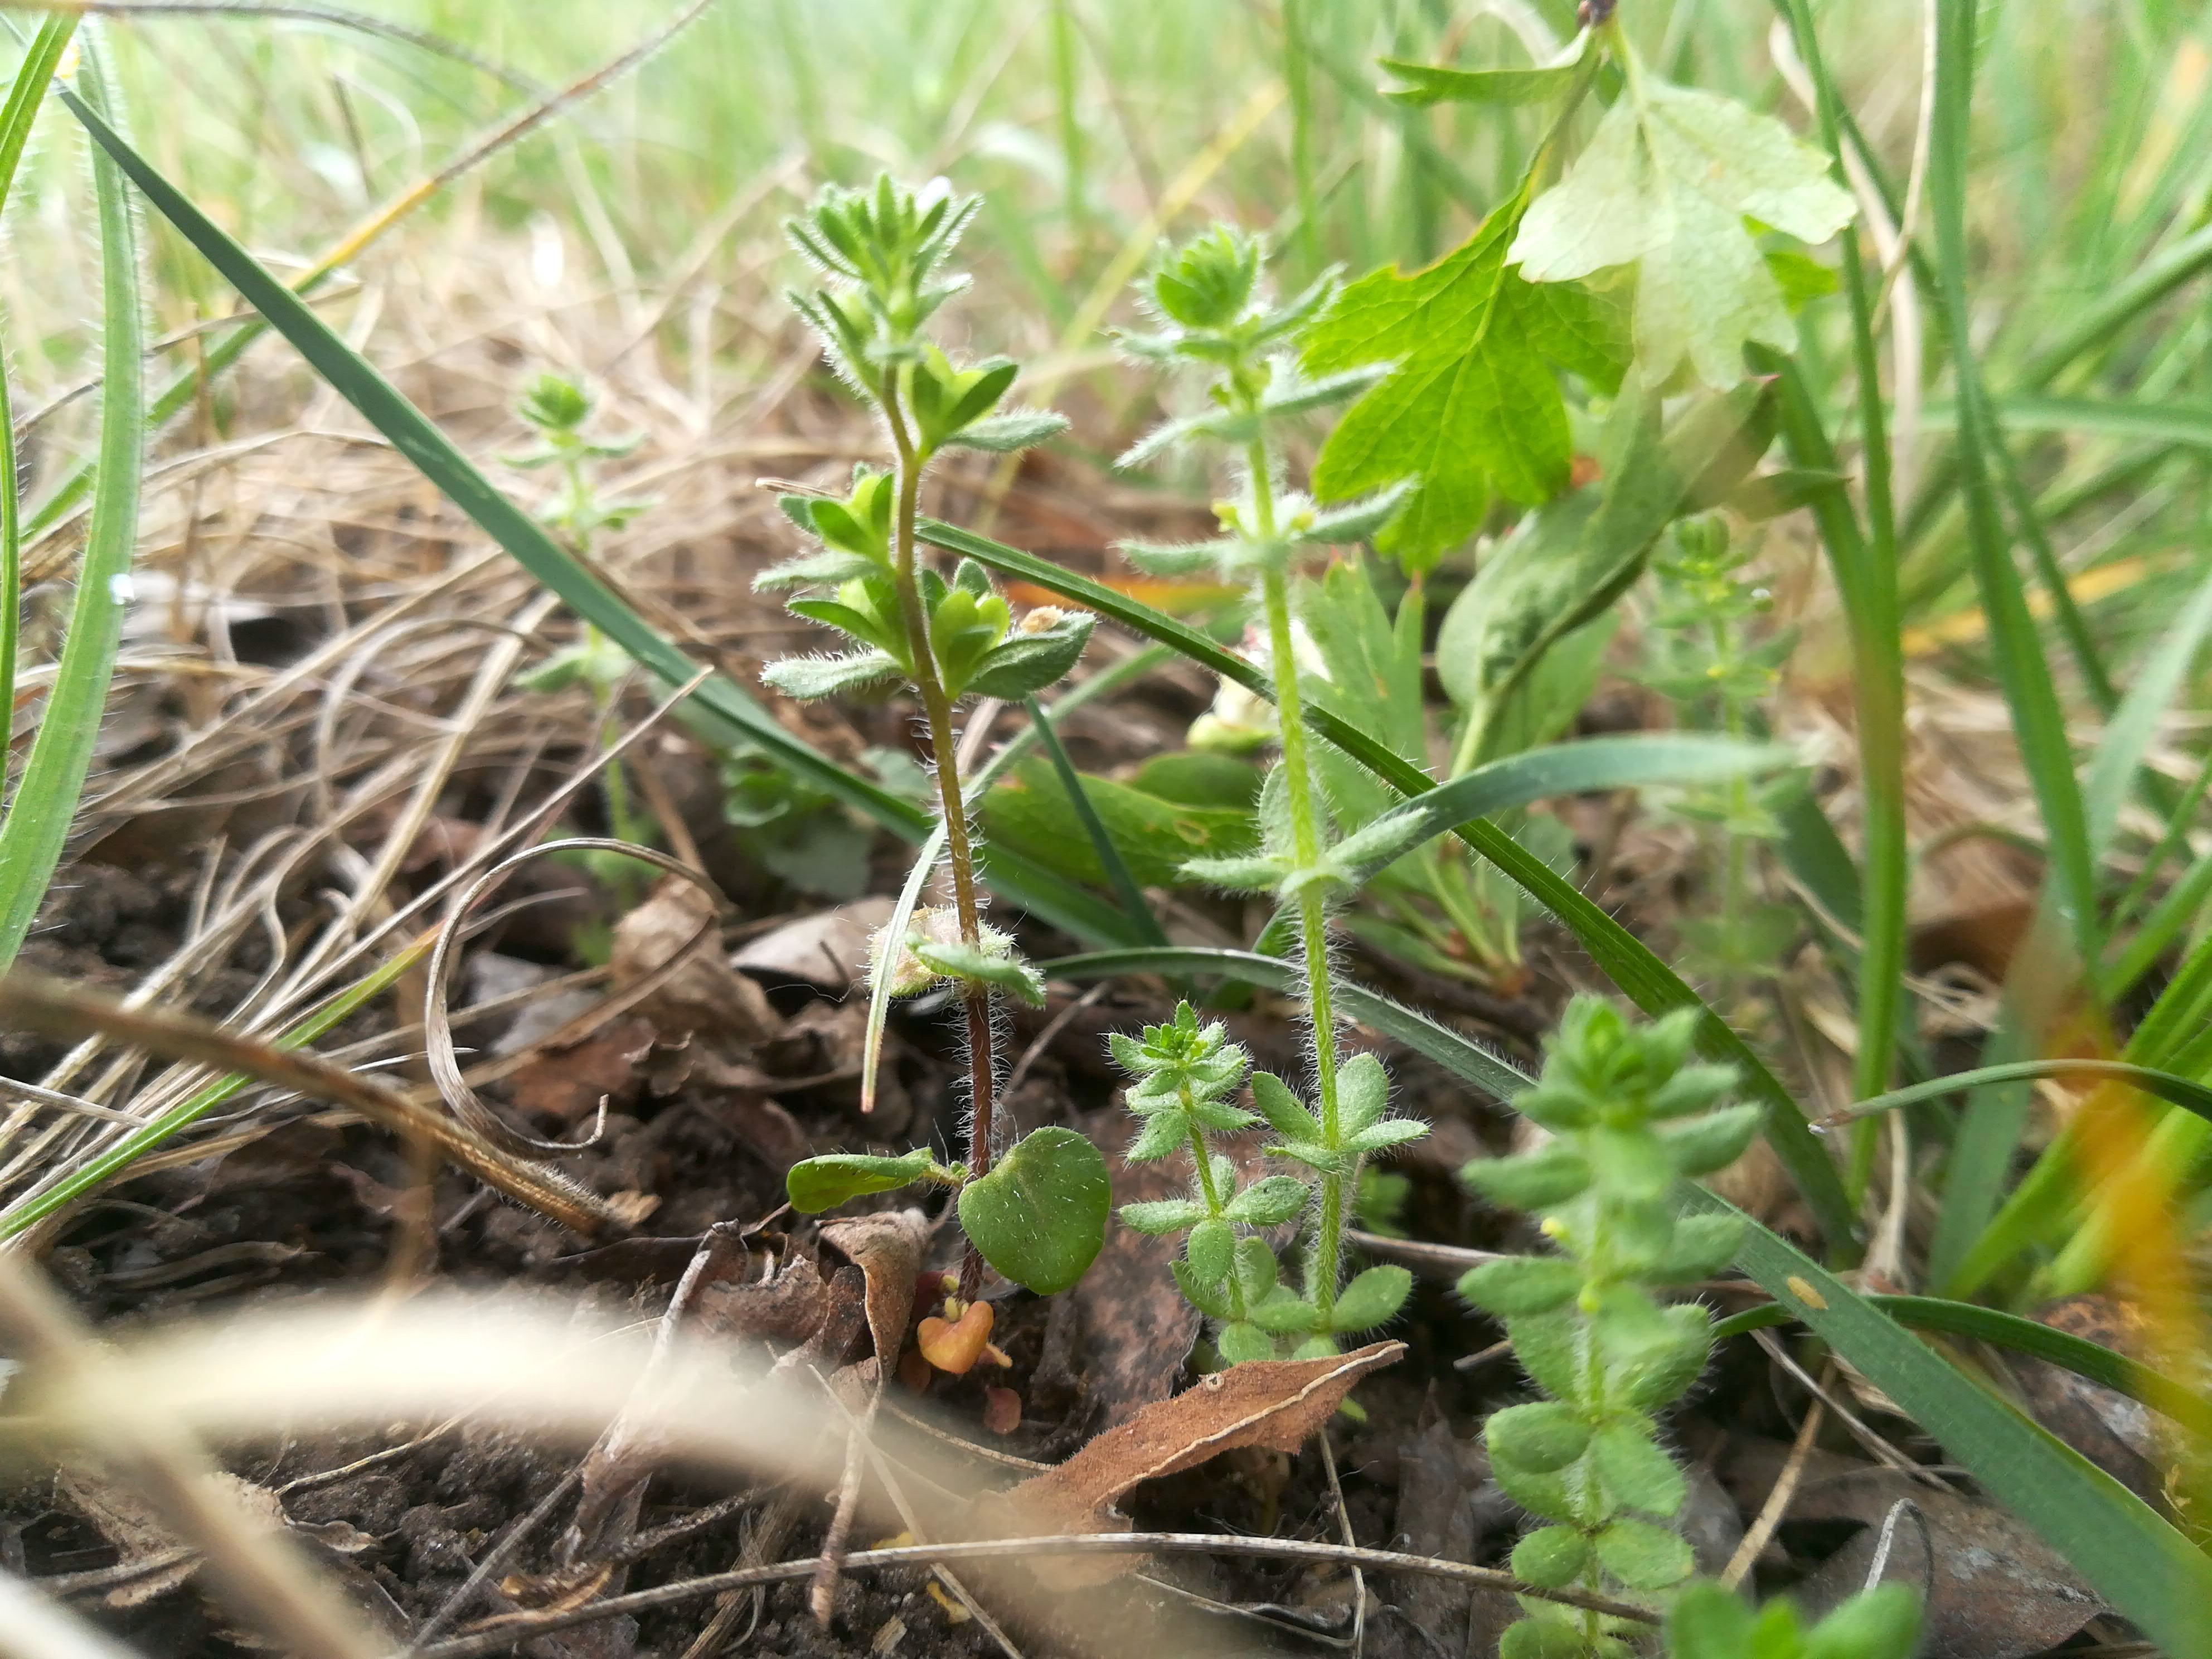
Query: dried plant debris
x: 1994, y: 1590
x: 1275, y: 1404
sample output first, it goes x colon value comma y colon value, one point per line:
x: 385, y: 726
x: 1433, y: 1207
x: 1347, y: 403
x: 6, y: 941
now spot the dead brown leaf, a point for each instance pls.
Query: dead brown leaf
x: 129, y: 1524
x: 2116, y: 1433
x: 1274, y: 1404
x: 826, y: 951
x: 1994, y: 1590
x: 705, y: 996
x: 568, y: 1083
x: 887, y: 1249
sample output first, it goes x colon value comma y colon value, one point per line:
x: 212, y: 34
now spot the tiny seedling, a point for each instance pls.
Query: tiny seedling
x: 1629, y: 1115
x: 1185, y: 1079
x: 1213, y: 314
x: 1036, y: 1212
x: 1712, y: 660
x: 559, y: 411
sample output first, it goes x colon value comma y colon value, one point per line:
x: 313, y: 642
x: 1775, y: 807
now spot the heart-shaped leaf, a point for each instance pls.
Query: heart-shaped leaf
x: 1040, y: 1216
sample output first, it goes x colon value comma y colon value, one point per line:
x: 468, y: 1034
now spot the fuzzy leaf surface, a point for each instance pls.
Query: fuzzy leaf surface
x: 1040, y: 1216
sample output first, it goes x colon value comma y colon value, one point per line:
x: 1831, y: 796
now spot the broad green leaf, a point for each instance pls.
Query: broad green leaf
x: 1040, y: 1216
x: 1665, y: 185
x: 1566, y: 563
x: 1471, y: 405
x: 1439, y: 83
x: 816, y: 1184
x: 1032, y: 814
x: 1126, y: 885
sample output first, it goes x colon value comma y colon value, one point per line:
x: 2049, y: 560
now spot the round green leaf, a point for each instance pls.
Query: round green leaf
x: 1554, y: 1556
x: 817, y: 1184
x: 1040, y: 1216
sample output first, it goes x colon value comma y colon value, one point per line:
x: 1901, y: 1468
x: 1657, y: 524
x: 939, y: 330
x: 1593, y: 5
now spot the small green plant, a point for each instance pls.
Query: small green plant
x: 1184, y: 1081
x: 1712, y: 660
x: 559, y: 411
x: 1213, y: 314
x: 1038, y: 1213
x: 1707, y: 1622
x: 1629, y: 1115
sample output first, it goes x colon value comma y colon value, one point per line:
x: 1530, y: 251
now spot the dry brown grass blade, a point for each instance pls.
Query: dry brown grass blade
x: 38, y: 1002
x: 134, y: 1437
x: 1127, y: 1544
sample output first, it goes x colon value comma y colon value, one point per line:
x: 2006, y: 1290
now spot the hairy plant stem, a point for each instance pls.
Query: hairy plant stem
x: 1313, y: 907
x: 936, y: 709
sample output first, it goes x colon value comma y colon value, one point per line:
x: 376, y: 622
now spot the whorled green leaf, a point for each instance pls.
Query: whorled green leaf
x: 1627, y: 961
x: 1027, y: 662
x: 1665, y: 185
x: 1372, y: 1297
x: 719, y: 708
x: 1472, y: 404
x: 1039, y: 1217
x: 1004, y: 434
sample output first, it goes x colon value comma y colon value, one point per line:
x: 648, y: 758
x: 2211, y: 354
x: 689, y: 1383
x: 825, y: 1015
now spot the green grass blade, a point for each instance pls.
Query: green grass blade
x: 2134, y: 723
x: 2186, y: 426
x: 1865, y: 572
x: 2094, y: 326
x: 2038, y: 722
x: 729, y: 715
x: 2168, y: 920
x: 1567, y: 768
x: 2077, y: 1354
x: 2180, y: 1090
x: 1626, y: 960
x: 38, y: 824
x: 28, y: 90
x: 1471, y: 1064
x: 2117, y: 1543
x: 1126, y: 885
x: 1563, y: 769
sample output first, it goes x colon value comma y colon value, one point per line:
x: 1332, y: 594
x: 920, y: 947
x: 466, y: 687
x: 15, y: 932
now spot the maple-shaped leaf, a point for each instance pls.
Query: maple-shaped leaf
x: 1667, y: 184
x: 1472, y: 405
